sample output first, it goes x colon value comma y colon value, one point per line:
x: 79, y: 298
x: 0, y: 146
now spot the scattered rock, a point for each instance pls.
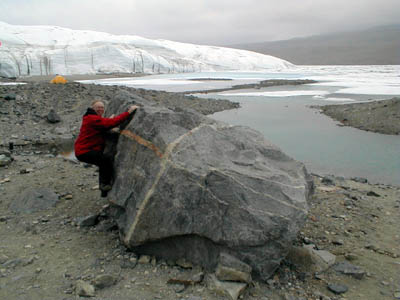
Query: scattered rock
x: 87, y: 221
x: 360, y: 179
x: 129, y: 263
x: 3, y: 259
x: 338, y: 242
x: 187, y: 278
x: 373, y: 194
x: 226, y: 288
x: 5, y: 158
x: 351, y: 256
x: 144, y: 259
x: 183, y: 263
x: 178, y: 288
x: 373, y: 247
x: 337, y: 288
x: 53, y: 117
x: 232, y: 269
x: 104, y: 280
x: 10, y: 97
x: 349, y: 269
x: 306, y: 259
x: 84, y: 289
x: 328, y: 180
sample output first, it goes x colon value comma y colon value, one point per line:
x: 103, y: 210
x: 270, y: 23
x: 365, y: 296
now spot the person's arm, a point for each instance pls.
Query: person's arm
x: 108, y: 123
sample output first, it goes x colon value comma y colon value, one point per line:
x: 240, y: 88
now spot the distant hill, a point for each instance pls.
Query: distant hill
x: 375, y: 46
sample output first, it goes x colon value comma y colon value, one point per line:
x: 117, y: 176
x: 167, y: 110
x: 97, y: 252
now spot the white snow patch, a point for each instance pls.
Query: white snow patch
x: 11, y: 83
x: 278, y: 93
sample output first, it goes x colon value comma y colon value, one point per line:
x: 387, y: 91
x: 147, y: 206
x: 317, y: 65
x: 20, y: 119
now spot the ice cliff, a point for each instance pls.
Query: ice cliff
x: 46, y: 50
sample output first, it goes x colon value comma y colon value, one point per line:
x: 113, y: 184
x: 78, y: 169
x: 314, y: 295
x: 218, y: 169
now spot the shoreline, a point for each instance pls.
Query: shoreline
x: 379, y: 116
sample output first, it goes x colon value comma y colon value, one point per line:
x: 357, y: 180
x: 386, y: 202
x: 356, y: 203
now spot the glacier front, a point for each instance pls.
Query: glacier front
x: 48, y: 50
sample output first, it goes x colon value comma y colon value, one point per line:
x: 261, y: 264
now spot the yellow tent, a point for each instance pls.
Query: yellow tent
x: 59, y: 79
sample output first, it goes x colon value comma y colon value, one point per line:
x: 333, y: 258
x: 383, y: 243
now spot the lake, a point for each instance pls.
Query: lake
x: 283, y: 114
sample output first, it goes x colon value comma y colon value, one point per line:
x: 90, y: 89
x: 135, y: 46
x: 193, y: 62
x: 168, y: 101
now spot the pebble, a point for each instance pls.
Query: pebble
x: 338, y: 242
x: 337, y: 288
x: 144, y: 259
x: 184, y: 263
x: 349, y: 269
x: 351, y: 256
x: 104, y: 280
x: 84, y: 289
x: 179, y: 288
x: 373, y: 194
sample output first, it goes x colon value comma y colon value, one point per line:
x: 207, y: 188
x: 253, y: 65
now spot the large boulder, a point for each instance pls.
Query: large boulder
x: 187, y: 186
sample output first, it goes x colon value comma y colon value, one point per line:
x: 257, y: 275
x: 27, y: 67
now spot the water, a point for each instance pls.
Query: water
x: 283, y: 114
x: 316, y: 140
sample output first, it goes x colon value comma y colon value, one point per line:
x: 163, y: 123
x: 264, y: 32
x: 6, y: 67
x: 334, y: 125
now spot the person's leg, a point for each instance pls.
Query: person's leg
x: 105, y: 167
x: 105, y: 170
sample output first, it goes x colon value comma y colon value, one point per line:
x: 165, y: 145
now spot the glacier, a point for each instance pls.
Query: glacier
x: 50, y: 50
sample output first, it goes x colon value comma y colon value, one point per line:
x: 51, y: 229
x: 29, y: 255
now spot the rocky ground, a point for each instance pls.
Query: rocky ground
x: 376, y: 116
x: 348, y: 249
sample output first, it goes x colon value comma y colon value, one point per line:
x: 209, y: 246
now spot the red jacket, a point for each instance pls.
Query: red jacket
x: 91, y: 135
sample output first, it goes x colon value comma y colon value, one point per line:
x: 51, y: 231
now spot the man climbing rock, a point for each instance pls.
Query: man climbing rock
x: 89, y: 145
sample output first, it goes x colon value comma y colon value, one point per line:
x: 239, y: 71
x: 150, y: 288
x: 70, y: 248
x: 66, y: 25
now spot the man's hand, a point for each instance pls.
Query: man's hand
x: 132, y: 108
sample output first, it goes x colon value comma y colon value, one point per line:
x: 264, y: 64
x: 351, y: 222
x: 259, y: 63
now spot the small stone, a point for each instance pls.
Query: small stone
x: 351, y: 256
x: 87, y: 221
x: 373, y: 194
x: 53, y: 117
x: 231, y: 289
x: 338, y: 242
x: 184, y: 263
x: 3, y: 259
x: 319, y: 276
x: 396, y: 295
x: 104, y: 280
x: 7, y: 179
x: 187, y: 278
x: 372, y: 247
x: 10, y: 96
x: 133, y: 260
x: 337, y: 288
x: 191, y: 297
x: 360, y: 179
x: 144, y: 259
x: 4, y: 218
x: 84, y: 289
x: 179, y: 288
x: 68, y: 197
x: 328, y: 180
x: 349, y: 269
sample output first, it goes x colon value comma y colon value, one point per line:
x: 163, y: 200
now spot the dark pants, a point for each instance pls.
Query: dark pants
x: 104, y: 163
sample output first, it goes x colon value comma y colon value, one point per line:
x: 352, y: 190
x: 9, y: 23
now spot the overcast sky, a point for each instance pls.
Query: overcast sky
x: 212, y: 22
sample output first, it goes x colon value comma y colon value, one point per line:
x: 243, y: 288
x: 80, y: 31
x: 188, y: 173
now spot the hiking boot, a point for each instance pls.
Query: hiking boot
x: 105, y: 187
